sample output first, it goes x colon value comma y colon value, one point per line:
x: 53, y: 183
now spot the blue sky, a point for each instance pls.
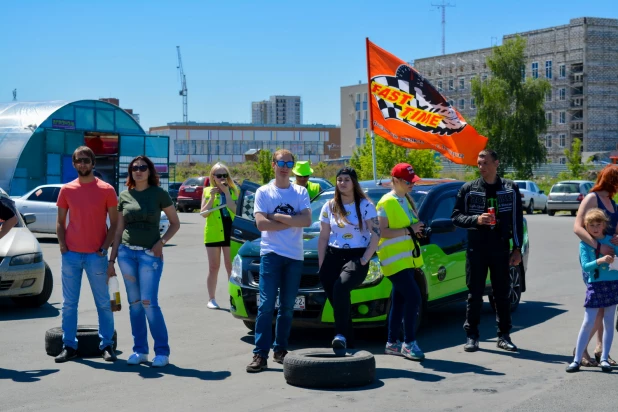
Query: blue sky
x: 236, y: 52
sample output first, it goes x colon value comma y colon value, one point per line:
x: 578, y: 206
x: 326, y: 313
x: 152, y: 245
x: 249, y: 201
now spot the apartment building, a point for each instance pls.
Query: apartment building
x: 355, y: 117
x: 278, y: 110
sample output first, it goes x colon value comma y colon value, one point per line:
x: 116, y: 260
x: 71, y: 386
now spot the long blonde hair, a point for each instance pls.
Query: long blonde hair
x: 229, y: 180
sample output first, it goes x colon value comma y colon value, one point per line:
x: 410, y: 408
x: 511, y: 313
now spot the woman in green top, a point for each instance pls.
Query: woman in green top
x: 139, y: 248
x: 218, y: 207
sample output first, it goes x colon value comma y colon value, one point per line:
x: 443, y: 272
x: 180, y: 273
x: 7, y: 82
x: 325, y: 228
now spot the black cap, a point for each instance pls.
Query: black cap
x: 348, y: 171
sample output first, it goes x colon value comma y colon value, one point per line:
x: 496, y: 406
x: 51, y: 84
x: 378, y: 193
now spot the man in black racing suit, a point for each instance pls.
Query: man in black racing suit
x: 489, y: 245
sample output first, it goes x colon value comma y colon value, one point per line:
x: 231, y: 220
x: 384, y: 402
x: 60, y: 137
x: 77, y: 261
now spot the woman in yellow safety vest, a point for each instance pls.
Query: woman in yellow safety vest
x: 399, y: 255
x: 218, y: 228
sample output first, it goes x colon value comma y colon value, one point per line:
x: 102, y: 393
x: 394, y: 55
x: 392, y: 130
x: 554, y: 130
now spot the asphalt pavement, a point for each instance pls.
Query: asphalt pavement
x: 210, y: 349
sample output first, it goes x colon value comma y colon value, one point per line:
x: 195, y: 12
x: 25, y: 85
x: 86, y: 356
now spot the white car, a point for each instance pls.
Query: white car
x: 41, y: 201
x: 532, y: 198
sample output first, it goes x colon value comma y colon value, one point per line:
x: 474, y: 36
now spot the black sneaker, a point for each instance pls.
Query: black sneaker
x: 108, y: 354
x: 279, y: 356
x: 66, y: 355
x: 472, y: 344
x: 504, y: 342
x: 258, y: 364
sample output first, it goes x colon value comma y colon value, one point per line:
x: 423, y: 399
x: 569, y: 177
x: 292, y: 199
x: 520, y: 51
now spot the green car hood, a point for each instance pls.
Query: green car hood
x: 310, y: 241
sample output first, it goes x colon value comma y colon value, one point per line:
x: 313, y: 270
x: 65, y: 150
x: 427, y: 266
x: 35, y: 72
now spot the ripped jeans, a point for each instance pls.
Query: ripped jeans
x: 141, y: 272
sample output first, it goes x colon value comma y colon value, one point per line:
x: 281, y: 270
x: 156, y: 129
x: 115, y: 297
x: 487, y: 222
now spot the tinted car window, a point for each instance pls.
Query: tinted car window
x: 174, y: 186
x: 194, y: 181
x: 445, y: 208
x: 565, y: 188
x: 522, y: 185
x: 45, y: 194
x: 587, y: 187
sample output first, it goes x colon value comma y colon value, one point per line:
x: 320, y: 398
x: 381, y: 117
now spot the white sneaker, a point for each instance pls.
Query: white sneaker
x: 212, y: 304
x: 137, y: 358
x: 160, y: 361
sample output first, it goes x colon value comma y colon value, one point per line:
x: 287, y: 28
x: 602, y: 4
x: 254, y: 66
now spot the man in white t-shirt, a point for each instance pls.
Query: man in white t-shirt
x: 281, y: 210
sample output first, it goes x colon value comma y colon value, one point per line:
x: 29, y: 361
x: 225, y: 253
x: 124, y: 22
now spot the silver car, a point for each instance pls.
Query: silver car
x: 24, y: 276
x: 567, y: 195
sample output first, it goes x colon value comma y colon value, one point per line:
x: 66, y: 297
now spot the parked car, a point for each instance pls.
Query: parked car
x: 24, y: 275
x: 442, y: 279
x: 567, y: 195
x: 532, y: 198
x: 172, y: 189
x: 190, y: 193
x: 41, y: 201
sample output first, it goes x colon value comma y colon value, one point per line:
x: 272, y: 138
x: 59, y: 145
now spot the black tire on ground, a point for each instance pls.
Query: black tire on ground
x: 551, y: 212
x: 530, y: 209
x: 573, y: 212
x: 321, y: 368
x: 515, y: 292
x: 249, y: 324
x: 88, y: 341
x: 41, y: 298
x: 189, y: 209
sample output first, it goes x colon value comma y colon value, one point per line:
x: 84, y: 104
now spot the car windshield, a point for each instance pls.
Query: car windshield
x: 375, y: 196
x: 565, y: 188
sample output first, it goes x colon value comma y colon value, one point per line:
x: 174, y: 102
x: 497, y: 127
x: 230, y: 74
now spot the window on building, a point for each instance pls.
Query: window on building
x: 358, y: 97
x: 548, y: 141
x: 462, y: 104
x: 548, y: 118
x: 523, y: 72
x: 563, y: 160
x: 451, y: 84
x: 462, y: 83
x: 358, y: 101
x: 365, y: 119
x: 484, y: 77
x: 472, y: 103
x: 562, y: 93
x: 562, y: 140
x: 358, y: 120
x: 548, y: 69
x: 535, y: 70
x: 548, y: 96
x: 451, y: 103
x: 562, y: 71
x: 439, y: 85
x: 365, y: 101
x: 562, y: 118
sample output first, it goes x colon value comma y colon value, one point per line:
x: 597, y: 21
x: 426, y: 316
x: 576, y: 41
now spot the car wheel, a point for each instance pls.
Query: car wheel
x: 249, y: 324
x: 530, y: 209
x: 545, y: 209
x: 189, y: 209
x: 551, y: 212
x: 321, y: 368
x: 514, y: 292
x: 87, y: 335
x: 573, y: 212
x: 41, y: 298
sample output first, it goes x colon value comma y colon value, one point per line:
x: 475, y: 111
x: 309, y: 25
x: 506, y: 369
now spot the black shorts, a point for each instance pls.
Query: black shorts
x: 227, y: 233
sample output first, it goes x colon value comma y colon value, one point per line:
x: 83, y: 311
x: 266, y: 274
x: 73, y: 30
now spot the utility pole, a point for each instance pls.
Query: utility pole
x: 443, y: 6
x: 183, y: 88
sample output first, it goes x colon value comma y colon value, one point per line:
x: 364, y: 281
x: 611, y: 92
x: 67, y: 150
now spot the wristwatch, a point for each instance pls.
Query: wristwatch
x: 163, y: 241
x: 363, y: 260
x: 103, y: 251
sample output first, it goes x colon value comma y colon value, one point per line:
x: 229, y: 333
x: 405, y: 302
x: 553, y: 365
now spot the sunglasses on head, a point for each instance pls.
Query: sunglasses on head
x: 221, y: 175
x: 82, y: 160
x: 282, y: 163
x: 141, y: 168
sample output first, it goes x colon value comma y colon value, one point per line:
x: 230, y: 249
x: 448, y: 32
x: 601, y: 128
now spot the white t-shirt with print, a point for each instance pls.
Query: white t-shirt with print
x: 348, y: 235
x: 291, y: 201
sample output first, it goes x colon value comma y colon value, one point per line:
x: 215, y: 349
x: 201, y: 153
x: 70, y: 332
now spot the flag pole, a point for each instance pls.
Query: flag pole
x: 373, y: 137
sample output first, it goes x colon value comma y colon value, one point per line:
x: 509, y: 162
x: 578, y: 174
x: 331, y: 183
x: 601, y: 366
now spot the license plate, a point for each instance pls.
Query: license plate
x: 299, y: 302
x: 189, y: 189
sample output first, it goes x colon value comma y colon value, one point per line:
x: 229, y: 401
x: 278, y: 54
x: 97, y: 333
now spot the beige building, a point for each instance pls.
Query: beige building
x: 579, y: 59
x: 355, y: 117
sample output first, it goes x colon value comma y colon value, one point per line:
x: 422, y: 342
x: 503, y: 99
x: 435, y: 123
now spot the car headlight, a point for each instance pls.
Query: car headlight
x: 374, y: 275
x: 237, y: 270
x: 26, y: 259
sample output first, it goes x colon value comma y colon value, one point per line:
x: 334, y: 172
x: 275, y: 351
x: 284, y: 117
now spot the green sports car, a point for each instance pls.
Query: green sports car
x: 442, y: 278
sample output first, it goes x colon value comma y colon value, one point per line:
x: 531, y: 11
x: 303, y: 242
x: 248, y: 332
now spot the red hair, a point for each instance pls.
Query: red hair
x: 607, y: 180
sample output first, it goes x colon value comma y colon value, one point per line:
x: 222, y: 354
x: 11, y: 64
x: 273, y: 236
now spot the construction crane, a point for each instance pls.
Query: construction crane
x: 183, y: 90
x: 443, y: 6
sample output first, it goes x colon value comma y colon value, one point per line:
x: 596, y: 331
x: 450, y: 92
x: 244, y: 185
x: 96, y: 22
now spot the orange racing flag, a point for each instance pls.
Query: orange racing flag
x: 408, y: 111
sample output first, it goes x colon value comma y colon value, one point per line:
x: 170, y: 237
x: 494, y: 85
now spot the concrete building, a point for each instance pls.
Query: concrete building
x: 579, y: 59
x: 230, y: 143
x: 355, y: 117
x: 278, y: 110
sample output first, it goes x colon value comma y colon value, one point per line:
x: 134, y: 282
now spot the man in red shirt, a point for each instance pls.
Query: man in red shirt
x: 84, y: 243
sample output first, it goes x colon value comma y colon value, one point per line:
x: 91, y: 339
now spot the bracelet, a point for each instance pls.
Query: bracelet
x: 112, y: 261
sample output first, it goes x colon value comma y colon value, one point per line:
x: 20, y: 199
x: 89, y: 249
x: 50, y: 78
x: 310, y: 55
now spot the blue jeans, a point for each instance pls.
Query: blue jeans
x: 141, y: 272
x: 406, y: 299
x: 276, y: 272
x: 72, y: 267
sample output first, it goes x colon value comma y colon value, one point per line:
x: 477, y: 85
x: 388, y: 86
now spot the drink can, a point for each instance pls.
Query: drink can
x: 492, y: 212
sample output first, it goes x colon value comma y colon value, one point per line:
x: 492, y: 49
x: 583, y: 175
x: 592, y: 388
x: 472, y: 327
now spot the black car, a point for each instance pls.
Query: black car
x: 442, y: 278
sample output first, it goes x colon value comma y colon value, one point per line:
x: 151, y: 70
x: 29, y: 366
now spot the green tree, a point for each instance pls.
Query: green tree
x: 388, y: 155
x: 510, y: 112
x: 574, y: 160
x: 264, y: 165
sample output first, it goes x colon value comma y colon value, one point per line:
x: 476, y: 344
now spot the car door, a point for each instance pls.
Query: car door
x: 244, y: 228
x: 444, y: 255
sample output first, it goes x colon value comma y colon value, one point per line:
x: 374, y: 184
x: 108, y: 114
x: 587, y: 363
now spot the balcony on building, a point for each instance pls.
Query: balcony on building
x: 577, y: 68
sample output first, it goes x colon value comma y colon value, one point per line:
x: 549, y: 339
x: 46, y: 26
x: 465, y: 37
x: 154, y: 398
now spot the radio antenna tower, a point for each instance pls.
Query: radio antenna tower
x: 443, y: 6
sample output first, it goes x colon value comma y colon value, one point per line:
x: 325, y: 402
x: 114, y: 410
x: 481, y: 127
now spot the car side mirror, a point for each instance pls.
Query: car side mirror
x: 442, y: 226
x: 29, y: 218
x: 541, y: 192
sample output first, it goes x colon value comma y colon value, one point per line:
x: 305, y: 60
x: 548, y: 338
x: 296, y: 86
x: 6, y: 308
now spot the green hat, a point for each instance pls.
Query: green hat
x: 302, y: 168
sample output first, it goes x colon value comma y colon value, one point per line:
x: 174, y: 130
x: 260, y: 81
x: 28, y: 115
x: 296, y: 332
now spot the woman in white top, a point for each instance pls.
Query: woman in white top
x: 349, y: 235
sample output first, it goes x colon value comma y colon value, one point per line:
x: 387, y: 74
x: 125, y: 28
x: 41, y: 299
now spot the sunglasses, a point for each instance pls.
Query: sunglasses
x: 281, y: 163
x: 82, y: 160
x: 141, y: 168
x: 221, y: 176
x: 406, y: 182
